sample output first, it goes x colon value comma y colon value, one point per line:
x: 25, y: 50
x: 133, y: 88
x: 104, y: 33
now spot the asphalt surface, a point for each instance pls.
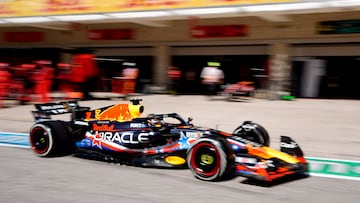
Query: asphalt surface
x: 323, y: 128
x: 27, y: 178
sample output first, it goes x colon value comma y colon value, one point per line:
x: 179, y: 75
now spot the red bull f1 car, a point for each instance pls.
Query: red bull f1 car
x: 118, y: 133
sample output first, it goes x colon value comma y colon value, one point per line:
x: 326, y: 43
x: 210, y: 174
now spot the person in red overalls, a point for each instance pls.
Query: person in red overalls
x: 43, y: 80
x: 23, y: 82
x: 85, y: 71
x: 64, y: 78
x: 5, y: 78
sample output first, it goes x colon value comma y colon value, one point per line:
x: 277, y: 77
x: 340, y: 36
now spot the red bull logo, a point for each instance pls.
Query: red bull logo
x: 118, y: 112
x: 103, y: 127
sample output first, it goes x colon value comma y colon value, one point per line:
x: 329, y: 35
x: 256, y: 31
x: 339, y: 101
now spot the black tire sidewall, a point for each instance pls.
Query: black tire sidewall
x: 50, y: 140
x: 60, y: 140
x: 225, y: 162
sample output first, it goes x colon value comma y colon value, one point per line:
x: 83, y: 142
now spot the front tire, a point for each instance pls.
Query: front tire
x: 49, y: 138
x: 210, y: 159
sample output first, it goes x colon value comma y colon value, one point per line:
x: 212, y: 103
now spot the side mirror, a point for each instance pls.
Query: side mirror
x: 190, y: 120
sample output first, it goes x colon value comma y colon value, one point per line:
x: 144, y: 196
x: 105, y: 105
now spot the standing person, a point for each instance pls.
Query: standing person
x: 43, y: 77
x: 87, y: 70
x: 5, y: 78
x: 174, y: 76
x: 25, y: 82
x: 64, y: 78
x: 212, y: 77
x: 130, y: 73
x: 77, y: 81
x: 191, y: 81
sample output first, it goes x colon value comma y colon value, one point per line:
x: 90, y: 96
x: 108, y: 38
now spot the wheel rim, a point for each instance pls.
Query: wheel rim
x: 205, y: 160
x: 40, y: 140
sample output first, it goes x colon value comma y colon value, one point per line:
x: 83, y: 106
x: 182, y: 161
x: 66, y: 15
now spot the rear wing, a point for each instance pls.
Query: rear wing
x: 45, y: 111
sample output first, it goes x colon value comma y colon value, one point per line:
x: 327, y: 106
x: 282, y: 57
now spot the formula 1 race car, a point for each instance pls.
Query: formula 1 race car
x: 240, y: 90
x: 118, y: 133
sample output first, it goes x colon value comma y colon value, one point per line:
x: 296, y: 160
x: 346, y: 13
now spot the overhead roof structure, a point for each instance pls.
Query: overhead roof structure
x: 277, y: 11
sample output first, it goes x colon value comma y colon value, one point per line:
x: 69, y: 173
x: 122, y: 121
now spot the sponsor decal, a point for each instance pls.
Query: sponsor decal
x: 339, y: 27
x: 81, y: 123
x: 247, y: 160
x: 52, y: 7
x: 243, y: 141
x: 51, y: 107
x: 102, y: 122
x: 137, y: 125
x: 193, y: 134
x: 111, y: 34
x: 185, y: 141
x: 65, y: 5
x: 265, y: 164
x: 152, y: 3
x: 119, y: 138
x: 103, y: 127
x: 291, y: 145
x: 219, y: 31
x: 118, y: 112
x: 247, y: 127
x: 56, y: 108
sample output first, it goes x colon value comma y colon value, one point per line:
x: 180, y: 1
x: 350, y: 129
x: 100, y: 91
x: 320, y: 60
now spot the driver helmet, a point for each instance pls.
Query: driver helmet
x: 157, y: 123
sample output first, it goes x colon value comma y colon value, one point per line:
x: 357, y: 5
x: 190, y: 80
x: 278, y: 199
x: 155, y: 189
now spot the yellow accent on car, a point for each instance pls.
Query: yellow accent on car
x: 281, y: 155
x: 175, y: 160
x: 135, y: 110
x: 207, y: 159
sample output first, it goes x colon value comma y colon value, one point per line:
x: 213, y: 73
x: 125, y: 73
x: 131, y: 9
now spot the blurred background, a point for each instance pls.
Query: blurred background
x: 297, y: 48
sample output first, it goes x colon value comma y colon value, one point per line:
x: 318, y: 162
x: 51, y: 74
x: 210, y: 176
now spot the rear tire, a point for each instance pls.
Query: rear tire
x: 210, y: 158
x: 49, y: 138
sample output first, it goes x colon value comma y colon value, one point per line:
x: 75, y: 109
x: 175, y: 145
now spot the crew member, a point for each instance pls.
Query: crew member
x: 5, y: 77
x: 130, y: 73
x: 43, y: 80
x: 212, y: 77
x: 85, y: 71
x: 64, y: 78
x: 174, y: 76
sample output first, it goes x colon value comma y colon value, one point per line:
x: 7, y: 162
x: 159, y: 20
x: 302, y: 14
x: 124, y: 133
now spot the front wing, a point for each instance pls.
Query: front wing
x: 267, y: 171
x: 267, y: 164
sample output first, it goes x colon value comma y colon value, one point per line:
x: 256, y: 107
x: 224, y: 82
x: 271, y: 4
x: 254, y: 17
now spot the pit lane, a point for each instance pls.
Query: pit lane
x: 323, y: 128
x: 26, y: 178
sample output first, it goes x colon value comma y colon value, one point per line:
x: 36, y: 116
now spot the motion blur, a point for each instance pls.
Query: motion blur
x: 285, y: 50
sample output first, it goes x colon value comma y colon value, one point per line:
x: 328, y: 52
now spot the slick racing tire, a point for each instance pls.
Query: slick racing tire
x: 253, y: 132
x: 49, y: 138
x: 210, y: 158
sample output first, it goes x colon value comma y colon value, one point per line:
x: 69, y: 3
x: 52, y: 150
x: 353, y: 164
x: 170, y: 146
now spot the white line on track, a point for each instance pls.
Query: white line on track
x: 334, y: 176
